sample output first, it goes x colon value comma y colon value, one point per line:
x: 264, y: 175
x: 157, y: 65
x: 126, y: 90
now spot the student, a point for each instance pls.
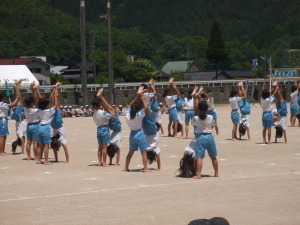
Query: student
x: 101, y: 119
x: 187, y: 165
x: 4, y: 107
x: 18, y: 116
x: 245, y: 109
x: 44, y: 131
x: 116, y: 136
x: 188, y: 108
x: 211, y: 108
x: 179, y: 107
x: 205, y: 139
x: 170, y: 95
x: 134, y: 115
x: 294, y: 104
x: 267, y: 118
x: 57, y: 126
x: 235, y: 117
x: 281, y: 109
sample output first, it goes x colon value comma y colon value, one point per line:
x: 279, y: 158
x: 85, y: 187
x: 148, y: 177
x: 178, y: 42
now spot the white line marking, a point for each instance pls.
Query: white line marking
x: 173, y: 156
x: 144, y: 186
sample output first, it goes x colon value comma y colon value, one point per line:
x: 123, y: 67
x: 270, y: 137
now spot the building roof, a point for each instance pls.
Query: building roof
x: 57, y: 69
x: 210, y: 74
x: 21, y: 61
x: 177, y: 66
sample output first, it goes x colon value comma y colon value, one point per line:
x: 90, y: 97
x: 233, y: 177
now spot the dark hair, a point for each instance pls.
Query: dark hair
x: 112, y: 150
x: 233, y: 93
x: 151, y: 156
x: 189, y: 95
x: 279, y: 131
x: 95, y: 102
x: 28, y: 101
x: 15, y: 144
x: 242, y: 129
x: 157, y: 126
x: 55, y: 142
x: 144, y: 85
x: 165, y: 92
x: 203, y: 107
x: 298, y: 116
x: 134, y: 109
x: 293, y: 88
x: 178, y: 127
x: 43, y: 103
x: 218, y: 221
x: 265, y: 94
x: 199, y: 222
x: 187, y: 166
x: 2, y: 95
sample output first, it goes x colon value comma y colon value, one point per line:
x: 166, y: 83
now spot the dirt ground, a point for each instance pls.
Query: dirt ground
x: 258, y: 183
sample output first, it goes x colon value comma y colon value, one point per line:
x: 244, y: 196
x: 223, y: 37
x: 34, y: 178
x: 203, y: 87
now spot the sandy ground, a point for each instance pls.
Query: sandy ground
x: 258, y: 183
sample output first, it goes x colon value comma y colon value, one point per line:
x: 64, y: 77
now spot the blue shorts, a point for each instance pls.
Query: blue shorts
x: 44, y: 134
x: 103, y: 135
x: 189, y: 115
x: 281, y: 108
x: 137, y: 141
x: 267, y: 119
x: 3, y: 127
x: 214, y: 114
x: 235, y: 116
x: 32, y: 131
x: 173, y: 116
x: 206, y: 141
x: 294, y: 108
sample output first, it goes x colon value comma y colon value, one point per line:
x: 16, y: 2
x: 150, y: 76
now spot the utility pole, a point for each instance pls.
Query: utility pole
x: 110, y: 61
x: 93, y: 32
x: 83, y: 52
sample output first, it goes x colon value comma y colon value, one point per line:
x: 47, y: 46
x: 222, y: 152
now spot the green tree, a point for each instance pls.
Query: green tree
x: 215, y: 52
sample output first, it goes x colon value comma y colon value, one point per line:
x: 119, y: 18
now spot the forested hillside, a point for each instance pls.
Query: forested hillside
x: 159, y: 30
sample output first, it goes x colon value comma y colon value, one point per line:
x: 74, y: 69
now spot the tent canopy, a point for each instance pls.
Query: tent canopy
x: 12, y: 73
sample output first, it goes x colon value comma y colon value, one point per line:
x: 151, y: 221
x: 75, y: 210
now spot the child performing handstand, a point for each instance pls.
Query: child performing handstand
x: 134, y: 115
x: 205, y: 139
x: 56, y: 124
x: 245, y: 108
x: 101, y: 119
x: 281, y: 109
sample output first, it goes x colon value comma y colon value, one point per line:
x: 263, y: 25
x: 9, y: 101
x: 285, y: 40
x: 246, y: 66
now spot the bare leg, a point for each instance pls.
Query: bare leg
x: 144, y: 159
x: 158, y: 162
x: 23, y: 145
x: 264, y: 133
x: 55, y: 155
x: 269, y: 135
x: 285, y: 137
x: 46, y: 151
x: 35, y: 149
x: 99, y: 153
x: 128, y: 158
x: 248, y: 133
x: 175, y: 128
x: 40, y: 153
x: 234, y: 128
x: 169, y: 129
x: 104, y: 154
x: 217, y: 129
x: 199, y: 168
x: 187, y: 130
x: 118, y: 157
x: 66, y: 153
x: 28, y: 145
x: 215, y: 165
x: 162, y: 129
x: 2, y: 146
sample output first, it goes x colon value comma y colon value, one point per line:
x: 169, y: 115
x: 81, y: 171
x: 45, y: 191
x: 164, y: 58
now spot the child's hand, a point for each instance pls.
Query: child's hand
x: 19, y: 82
x: 100, y: 93
x: 151, y: 82
x: 171, y: 81
x: 275, y: 83
x: 195, y: 91
x: 240, y: 84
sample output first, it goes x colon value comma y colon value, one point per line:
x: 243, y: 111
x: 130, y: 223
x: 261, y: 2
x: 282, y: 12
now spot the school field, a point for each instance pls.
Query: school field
x: 258, y: 183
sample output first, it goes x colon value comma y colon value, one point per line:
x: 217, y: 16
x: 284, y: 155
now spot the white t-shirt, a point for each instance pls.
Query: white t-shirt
x: 294, y: 97
x: 135, y: 123
x: 31, y: 115
x: 204, y: 126
x: 188, y: 104
x: 45, y: 115
x: 101, y: 117
x: 3, y: 109
x: 210, y: 103
x: 234, y: 102
x: 148, y: 96
x: 170, y: 101
x: 266, y: 104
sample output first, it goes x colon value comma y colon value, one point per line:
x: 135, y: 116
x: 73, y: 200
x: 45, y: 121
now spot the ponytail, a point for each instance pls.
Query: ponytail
x: 203, y: 107
x: 135, y: 107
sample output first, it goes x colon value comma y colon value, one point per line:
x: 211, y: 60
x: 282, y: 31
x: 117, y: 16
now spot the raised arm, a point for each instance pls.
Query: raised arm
x: 107, y: 107
x: 151, y: 86
x: 242, y: 91
x: 195, y: 100
x: 18, y: 92
x: 174, y: 87
x: 36, y: 94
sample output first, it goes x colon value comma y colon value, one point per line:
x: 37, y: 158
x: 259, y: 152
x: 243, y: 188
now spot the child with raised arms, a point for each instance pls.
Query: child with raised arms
x: 57, y: 126
x: 134, y: 115
x: 101, y: 119
x: 245, y: 108
x: 235, y: 116
x: 294, y: 107
x: 205, y: 139
x: 4, y: 107
x: 188, y: 108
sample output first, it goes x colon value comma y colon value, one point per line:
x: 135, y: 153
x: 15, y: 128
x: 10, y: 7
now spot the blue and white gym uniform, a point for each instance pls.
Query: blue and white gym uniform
x: 116, y: 127
x: 211, y: 108
x: 234, y: 103
x: 282, y: 112
x: 33, y: 120
x: 294, y: 103
x: 101, y: 119
x: 137, y: 138
x: 266, y: 105
x: 148, y: 96
x: 44, y: 131
x: 3, y: 119
x: 56, y: 124
x: 245, y: 109
x: 151, y: 135
x: 205, y: 139
x: 188, y: 107
x: 18, y: 116
x: 170, y: 101
x: 179, y: 106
